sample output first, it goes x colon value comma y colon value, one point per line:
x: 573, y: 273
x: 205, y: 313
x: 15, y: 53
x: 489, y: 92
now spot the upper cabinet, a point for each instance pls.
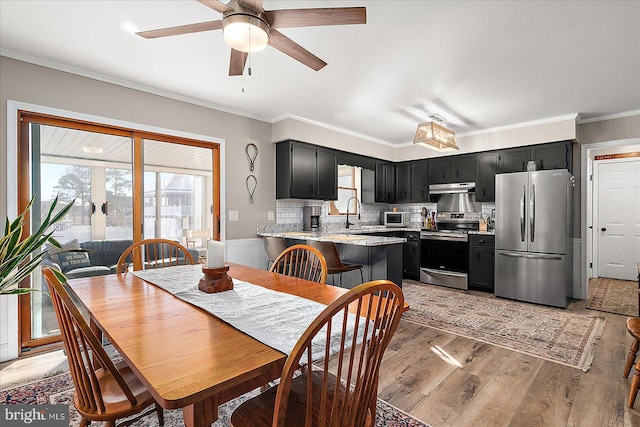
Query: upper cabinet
x: 555, y: 155
x: 385, y: 182
x: 486, y: 168
x: 305, y: 171
x: 451, y: 169
x: 403, y: 182
x: 418, y: 181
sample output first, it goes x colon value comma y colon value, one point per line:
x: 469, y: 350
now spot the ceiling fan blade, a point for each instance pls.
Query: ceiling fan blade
x: 287, y: 46
x: 255, y: 5
x: 237, y: 62
x: 289, y: 18
x: 181, y: 29
x: 215, y: 5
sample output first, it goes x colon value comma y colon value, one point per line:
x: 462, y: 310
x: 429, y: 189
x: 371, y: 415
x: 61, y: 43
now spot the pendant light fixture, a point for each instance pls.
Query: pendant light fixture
x: 435, y: 136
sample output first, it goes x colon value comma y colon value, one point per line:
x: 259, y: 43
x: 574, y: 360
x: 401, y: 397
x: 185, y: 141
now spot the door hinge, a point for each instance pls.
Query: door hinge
x: 590, y: 177
x: 590, y: 265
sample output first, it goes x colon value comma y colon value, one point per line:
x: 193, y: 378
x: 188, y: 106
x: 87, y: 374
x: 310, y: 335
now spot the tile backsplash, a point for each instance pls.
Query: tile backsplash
x: 289, y: 213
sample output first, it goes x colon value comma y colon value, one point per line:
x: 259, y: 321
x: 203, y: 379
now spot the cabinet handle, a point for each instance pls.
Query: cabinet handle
x: 541, y: 163
x: 523, y: 167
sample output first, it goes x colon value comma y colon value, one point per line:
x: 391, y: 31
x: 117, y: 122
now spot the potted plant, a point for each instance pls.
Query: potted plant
x: 17, y: 257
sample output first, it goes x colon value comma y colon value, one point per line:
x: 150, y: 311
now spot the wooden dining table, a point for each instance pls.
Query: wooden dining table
x: 186, y: 357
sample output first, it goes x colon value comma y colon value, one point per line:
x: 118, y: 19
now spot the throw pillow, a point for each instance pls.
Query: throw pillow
x: 68, y: 260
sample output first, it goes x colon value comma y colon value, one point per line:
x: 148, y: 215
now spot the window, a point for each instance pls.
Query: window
x: 349, y: 185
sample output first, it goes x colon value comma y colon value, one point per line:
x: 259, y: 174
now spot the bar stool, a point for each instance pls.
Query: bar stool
x: 334, y: 263
x: 274, y: 247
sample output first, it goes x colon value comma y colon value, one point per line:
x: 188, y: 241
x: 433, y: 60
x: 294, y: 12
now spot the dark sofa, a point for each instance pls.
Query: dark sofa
x: 103, y: 257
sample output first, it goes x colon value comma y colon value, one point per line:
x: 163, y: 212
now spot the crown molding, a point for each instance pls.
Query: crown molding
x: 621, y: 115
x: 332, y: 128
x: 124, y: 83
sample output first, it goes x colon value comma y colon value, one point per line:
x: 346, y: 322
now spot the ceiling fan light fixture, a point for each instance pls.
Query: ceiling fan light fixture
x: 246, y: 33
x: 435, y: 136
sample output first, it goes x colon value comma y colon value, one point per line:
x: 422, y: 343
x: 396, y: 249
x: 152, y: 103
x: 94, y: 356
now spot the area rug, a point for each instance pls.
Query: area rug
x: 615, y: 296
x: 58, y: 389
x: 551, y: 334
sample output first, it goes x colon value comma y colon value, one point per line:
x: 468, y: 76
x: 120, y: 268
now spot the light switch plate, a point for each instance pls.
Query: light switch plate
x: 234, y: 215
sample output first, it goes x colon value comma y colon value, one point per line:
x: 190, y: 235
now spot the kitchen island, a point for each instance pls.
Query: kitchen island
x: 380, y: 256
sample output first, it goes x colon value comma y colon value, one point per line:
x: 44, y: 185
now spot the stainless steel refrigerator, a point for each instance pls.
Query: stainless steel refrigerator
x: 534, y: 216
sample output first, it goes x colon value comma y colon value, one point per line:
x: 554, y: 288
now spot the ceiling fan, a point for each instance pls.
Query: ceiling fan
x: 247, y: 27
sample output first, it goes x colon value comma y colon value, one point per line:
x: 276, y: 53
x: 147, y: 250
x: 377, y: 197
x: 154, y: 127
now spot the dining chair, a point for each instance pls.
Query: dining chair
x: 104, y: 391
x: 334, y: 264
x: 273, y: 246
x: 153, y: 253
x: 633, y: 327
x: 341, y: 388
x: 301, y: 261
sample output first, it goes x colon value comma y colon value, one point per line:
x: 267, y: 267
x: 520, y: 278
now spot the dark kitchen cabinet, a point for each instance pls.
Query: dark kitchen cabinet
x: 513, y: 160
x: 419, y: 183
x: 385, y: 182
x: 403, y: 182
x: 481, y: 262
x: 463, y: 168
x: 304, y: 171
x: 411, y: 256
x: 326, y: 174
x: 556, y: 155
x: 440, y: 170
x: 446, y: 170
x: 486, y: 168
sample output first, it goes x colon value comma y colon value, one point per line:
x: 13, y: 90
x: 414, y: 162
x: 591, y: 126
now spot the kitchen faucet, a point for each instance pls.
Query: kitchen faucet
x: 358, y: 208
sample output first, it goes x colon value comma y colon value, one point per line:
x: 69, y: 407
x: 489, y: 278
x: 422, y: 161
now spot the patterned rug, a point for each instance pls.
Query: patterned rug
x: 58, y: 389
x: 551, y: 334
x: 615, y: 296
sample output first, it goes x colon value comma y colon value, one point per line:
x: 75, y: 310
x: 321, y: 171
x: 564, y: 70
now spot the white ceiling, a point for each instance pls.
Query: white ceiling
x: 478, y: 64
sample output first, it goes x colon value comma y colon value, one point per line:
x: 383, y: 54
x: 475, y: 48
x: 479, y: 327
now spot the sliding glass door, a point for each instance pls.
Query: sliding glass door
x: 125, y: 185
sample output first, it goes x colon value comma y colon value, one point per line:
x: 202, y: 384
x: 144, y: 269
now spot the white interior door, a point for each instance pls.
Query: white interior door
x: 618, y: 226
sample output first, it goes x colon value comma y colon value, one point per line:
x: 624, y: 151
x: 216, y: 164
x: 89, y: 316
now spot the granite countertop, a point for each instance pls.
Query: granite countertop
x: 338, y: 237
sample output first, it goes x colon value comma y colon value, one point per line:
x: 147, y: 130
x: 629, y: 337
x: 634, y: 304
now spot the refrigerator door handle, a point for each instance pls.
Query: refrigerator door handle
x: 532, y: 256
x: 532, y: 212
x: 522, y: 203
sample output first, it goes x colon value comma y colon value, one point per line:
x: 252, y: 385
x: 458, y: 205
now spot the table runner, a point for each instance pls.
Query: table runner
x: 274, y: 318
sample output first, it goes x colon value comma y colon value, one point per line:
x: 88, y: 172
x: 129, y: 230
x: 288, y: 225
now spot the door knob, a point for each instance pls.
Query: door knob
x: 603, y: 229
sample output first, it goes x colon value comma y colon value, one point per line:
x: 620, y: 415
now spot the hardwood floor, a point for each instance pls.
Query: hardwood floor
x: 447, y: 380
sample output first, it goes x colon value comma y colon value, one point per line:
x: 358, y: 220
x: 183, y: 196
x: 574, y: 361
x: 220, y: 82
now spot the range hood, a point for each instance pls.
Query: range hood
x: 460, y: 187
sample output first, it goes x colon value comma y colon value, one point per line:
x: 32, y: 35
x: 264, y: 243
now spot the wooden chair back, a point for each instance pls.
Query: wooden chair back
x: 301, y: 261
x: 341, y: 388
x: 103, y: 391
x: 153, y: 253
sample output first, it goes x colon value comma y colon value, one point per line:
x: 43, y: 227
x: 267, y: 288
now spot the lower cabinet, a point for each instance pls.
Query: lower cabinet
x: 481, y: 262
x: 411, y: 256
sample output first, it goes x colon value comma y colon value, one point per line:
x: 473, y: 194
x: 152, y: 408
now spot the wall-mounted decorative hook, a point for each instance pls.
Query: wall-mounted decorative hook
x: 252, y: 184
x: 252, y: 154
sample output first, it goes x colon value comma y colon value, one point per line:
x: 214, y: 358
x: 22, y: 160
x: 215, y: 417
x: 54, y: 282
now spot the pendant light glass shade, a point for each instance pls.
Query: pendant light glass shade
x: 245, y: 33
x: 435, y: 136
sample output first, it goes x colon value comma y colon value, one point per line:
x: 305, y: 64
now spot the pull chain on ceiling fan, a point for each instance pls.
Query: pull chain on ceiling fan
x: 240, y: 15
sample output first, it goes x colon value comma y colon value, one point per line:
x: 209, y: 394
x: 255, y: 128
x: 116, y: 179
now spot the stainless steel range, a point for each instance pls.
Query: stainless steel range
x: 444, y: 251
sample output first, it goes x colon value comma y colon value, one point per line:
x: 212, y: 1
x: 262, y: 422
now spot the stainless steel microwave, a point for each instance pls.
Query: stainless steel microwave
x: 395, y: 219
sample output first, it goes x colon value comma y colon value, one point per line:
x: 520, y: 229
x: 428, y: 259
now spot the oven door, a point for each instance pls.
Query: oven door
x: 444, y: 260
